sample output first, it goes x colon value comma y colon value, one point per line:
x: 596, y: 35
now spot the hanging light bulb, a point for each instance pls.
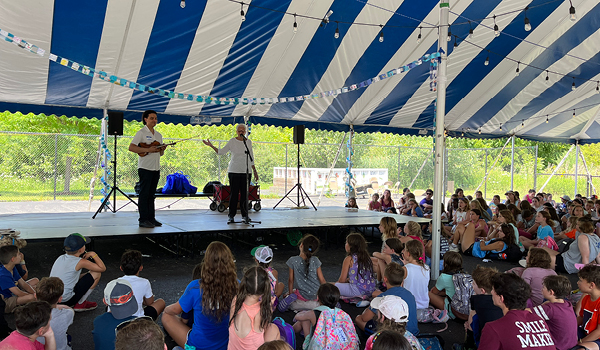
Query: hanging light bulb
x: 500, y: 126
x: 598, y: 88
x: 470, y: 31
x: 295, y: 25
x: 182, y: 4
x: 547, y: 78
x: 527, y: 23
x: 572, y: 14
x: 517, y: 71
x: 487, y: 59
x: 449, y: 37
x: 573, y: 87
x: 381, y: 34
x: 546, y: 119
x: 573, y: 113
x: 242, y: 13
x: 455, y: 43
x: 496, y: 29
x: 479, y: 131
x: 337, y: 30
x: 419, y: 37
x: 523, y: 123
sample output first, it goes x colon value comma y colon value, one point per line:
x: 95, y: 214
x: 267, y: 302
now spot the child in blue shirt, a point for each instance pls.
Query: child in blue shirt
x: 13, y: 288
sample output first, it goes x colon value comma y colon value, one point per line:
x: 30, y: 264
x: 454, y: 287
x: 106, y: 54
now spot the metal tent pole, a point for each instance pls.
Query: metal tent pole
x: 576, y: 166
x: 512, y: 164
x: 439, y: 138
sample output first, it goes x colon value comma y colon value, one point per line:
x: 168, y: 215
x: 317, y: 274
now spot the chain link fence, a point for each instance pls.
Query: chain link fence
x: 37, y: 166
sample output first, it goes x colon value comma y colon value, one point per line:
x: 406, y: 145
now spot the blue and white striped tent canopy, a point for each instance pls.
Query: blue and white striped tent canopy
x: 203, y: 53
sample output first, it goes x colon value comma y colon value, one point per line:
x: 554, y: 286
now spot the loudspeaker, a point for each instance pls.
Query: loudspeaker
x: 115, y: 123
x: 298, y: 134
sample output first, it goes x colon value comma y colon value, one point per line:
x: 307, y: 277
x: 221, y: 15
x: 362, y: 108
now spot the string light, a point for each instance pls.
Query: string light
x: 455, y: 43
x: 326, y: 18
x: 517, y: 71
x: 527, y: 23
x: 479, y: 131
x: 449, y: 37
x: 295, y: 25
x: 547, y: 77
x: 419, y: 37
x: 572, y: 14
x: 573, y: 113
x: 487, y: 59
x: 182, y: 4
x: 242, y: 13
x: 546, y: 119
x: 470, y: 31
x: 337, y: 30
x: 381, y: 34
x: 573, y: 87
x: 500, y: 126
x: 598, y: 88
x: 496, y: 30
x: 522, y: 123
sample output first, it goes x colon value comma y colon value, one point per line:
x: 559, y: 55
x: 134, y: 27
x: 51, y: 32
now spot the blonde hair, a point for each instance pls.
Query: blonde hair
x: 389, y: 226
x: 414, y: 229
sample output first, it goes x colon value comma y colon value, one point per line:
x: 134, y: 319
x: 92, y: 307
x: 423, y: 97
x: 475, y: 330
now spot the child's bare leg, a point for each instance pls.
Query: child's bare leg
x: 279, y: 289
x: 468, y: 237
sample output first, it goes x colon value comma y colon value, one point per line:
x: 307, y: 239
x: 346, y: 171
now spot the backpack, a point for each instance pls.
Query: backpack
x: 334, y: 331
x: 209, y: 188
x: 286, y: 331
x: 461, y: 300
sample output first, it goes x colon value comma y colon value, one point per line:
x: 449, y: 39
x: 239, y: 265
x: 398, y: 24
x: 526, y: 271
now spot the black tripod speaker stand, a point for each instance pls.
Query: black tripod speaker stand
x: 301, y: 193
x: 115, y: 188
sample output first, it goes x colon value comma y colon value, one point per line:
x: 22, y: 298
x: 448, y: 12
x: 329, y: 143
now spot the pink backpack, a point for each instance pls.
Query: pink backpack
x: 334, y: 331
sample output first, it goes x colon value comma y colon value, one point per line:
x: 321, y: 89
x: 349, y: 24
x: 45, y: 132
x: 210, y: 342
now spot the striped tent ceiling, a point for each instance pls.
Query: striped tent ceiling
x: 205, y: 49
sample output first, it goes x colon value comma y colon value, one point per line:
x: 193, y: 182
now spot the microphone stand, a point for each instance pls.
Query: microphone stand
x: 247, y: 180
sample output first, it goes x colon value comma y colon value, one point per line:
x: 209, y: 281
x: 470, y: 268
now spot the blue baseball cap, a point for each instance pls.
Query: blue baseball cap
x: 75, y: 241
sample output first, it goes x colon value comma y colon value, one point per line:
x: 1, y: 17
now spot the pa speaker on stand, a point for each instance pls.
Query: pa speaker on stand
x: 115, y: 123
x: 298, y: 134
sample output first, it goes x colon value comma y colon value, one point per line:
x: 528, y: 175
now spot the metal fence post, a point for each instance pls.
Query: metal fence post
x: 535, y: 168
x: 219, y: 162
x: 286, y: 168
x: 55, y: 162
x: 399, y: 149
x: 486, y: 165
x: 512, y: 164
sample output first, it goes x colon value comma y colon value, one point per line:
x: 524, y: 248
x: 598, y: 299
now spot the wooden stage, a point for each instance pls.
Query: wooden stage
x: 188, y: 222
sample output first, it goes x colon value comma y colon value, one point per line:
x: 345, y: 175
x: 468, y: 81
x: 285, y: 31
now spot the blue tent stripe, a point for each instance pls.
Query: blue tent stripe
x: 167, y: 51
x: 76, y: 32
x: 593, y: 130
x: 245, y: 54
x: 309, y: 70
x: 378, y: 54
x: 556, y: 51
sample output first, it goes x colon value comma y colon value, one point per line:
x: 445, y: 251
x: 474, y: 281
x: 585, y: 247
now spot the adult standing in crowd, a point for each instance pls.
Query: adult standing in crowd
x: 238, y: 168
x: 148, y: 166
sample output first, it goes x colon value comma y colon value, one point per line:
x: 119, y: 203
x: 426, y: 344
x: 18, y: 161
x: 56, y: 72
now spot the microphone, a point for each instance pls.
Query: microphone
x: 243, y: 137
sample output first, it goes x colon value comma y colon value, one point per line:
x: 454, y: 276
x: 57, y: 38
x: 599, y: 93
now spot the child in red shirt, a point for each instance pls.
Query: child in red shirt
x: 588, y: 308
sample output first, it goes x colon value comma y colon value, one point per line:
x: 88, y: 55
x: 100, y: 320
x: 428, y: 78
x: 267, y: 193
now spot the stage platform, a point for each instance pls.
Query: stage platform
x: 185, y: 222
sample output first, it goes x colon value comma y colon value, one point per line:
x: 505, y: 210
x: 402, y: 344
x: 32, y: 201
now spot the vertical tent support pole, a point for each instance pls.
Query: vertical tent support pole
x: 439, y: 138
x: 535, y: 168
x: 512, y: 164
x: 556, y: 169
x: 576, y: 166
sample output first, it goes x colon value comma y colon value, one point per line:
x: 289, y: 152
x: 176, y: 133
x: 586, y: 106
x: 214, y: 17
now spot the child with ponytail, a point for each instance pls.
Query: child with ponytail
x: 417, y: 273
x: 357, y: 278
x: 250, y: 320
x: 305, y: 275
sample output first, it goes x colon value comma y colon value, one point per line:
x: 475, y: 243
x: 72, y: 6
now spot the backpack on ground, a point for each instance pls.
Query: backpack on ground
x: 334, y: 331
x: 210, y: 187
x: 286, y: 331
x: 461, y: 300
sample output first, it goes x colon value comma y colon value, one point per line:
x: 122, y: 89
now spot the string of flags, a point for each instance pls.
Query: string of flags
x: 349, y: 188
x: 106, y: 190
x: 100, y: 74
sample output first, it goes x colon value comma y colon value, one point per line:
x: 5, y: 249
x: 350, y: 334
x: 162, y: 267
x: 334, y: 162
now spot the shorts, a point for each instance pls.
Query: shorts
x: 582, y: 334
x: 469, y: 251
x: 150, y: 311
x: 11, y: 304
x: 81, y: 287
x: 370, y: 327
x: 560, y: 264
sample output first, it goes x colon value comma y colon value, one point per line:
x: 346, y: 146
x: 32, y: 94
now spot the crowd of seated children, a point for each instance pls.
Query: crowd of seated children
x: 32, y: 321
x: 583, y: 250
x: 475, y: 223
x: 459, y: 216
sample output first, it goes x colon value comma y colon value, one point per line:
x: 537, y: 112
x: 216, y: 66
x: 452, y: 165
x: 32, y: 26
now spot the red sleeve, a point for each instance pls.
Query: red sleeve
x: 489, y: 338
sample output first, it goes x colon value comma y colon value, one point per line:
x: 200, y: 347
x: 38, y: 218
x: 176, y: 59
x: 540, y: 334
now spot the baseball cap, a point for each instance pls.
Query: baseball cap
x: 511, y: 192
x: 565, y: 197
x: 262, y: 253
x: 75, y: 241
x: 118, y: 295
x: 392, y: 307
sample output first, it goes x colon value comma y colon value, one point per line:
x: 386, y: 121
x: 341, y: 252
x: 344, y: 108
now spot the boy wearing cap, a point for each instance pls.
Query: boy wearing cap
x: 263, y: 256
x: 131, y: 265
x: 393, y: 315
x: 68, y: 268
x: 119, y: 297
x: 15, y: 291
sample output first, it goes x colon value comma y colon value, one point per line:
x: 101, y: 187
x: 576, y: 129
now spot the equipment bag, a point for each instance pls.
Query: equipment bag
x: 178, y: 183
x: 209, y: 188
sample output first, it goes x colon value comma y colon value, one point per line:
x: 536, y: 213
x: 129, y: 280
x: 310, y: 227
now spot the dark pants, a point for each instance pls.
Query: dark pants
x: 239, y: 186
x: 148, y: 182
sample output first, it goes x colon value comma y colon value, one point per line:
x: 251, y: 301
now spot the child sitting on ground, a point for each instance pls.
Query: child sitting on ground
x: 392, y: 248
x: 357, y: 279
x: 68, y: 268
x: 50, y: 290
x: 250, y: 319
x: 305, y: 275
x: 544, y: 230
x: 13, y: 288
x: 393, y: 278
x: 32, y: 321
x: 131, y: 265
x: 374, y: 203
x: 557, y: 312
x: 386, y: 340
x: 443, y: 291
x: 417, y: 273
x: 538, y: 267
x: 588, y: 307
x: 393, y: 313
x: 263, y: 256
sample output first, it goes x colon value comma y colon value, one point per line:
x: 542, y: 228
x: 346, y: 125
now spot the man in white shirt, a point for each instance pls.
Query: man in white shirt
x: 237, y: 170
x: 148, y: 166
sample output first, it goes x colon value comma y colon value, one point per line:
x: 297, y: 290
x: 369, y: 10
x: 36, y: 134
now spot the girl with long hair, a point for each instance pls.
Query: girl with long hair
x: 544, y: 230
x: 250, y: 318
x: 416, y: 280
x: 209, y: 297
x: 476, y: 222
x: 305, y: 274
x: 443, y: 291
x: 357, y: 278
x: 386, y: 200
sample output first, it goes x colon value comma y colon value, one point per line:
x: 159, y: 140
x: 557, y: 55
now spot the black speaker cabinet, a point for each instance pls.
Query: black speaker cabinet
x: 299, y: 134
x: 115, y: 123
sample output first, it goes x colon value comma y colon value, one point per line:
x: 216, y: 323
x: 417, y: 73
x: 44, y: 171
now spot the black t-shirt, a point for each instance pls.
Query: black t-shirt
x: 485, y: 309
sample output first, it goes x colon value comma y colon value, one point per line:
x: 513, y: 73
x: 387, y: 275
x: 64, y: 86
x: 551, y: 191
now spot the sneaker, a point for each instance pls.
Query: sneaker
x: 453, y: 248
x: 285, y: 303
x: 230, y: 220
x: 146, y: 224
x: 363, y: 303
x: 246, y: 220
x: 85, y: 306
x: 523, y: 262
x: 156, y: 223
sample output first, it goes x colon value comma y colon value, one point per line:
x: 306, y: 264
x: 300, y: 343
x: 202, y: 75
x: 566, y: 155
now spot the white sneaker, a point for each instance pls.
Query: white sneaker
x: 453, y: 248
